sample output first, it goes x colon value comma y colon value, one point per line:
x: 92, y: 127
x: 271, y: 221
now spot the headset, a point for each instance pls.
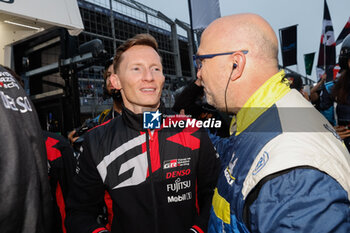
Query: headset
x: 234, y: 66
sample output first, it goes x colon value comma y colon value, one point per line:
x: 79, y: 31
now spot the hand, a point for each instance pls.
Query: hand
x: 323, y: 77
x: 71, y: 137
x: 306, y: 96
x: 343, y: 131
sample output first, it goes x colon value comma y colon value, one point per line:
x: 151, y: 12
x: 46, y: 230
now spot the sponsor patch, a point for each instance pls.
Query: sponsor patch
x: 178, y: 198
x: 20, y: 104
x: 229, y: 178
x: 173, y: 163
x: 261, y: 163
x: 180, y: 173
x: 178, y: 185
x: 7, y: 81
x: 9, y: 85
x: 170, y: 164
x: 229, y: 170
x: 6, y: 77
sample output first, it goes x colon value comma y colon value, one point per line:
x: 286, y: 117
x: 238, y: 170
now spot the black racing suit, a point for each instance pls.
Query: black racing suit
x: 62, y: 163
x: 160, y: 181
x: 25, y: 200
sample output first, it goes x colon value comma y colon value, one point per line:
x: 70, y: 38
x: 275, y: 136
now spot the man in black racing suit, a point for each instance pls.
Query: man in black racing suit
x: 25, y: 201
x: 160, y: 180
x: 61, y: 170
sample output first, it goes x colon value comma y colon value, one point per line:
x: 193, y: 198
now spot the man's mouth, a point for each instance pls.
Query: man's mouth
x: 148, y: 89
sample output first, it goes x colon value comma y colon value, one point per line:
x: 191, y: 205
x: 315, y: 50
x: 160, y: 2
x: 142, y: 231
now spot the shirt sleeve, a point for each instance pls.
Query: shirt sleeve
x: 302, y: 200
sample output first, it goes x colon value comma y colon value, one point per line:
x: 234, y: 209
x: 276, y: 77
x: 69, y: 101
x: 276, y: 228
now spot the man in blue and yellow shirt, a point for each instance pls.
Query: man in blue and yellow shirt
x: 284, y: 168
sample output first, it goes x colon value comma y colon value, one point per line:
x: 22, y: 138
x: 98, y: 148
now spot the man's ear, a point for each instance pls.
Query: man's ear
x: 116, y: 81
x: 238, y: 64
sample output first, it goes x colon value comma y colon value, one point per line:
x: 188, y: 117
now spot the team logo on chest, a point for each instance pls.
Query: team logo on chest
x: 229, y: 170
x: 173, y: 163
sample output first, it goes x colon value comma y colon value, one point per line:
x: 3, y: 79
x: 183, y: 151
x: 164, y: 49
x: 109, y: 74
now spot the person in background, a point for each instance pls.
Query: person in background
x: 75, y: 136
x: 326, y: 104
x: 61, y: 170
x: 190, y: 102
x: 284, y: 169
x: 25, y: 198
x: 316, y: 91
x: 297, y: 83
x: 160, y: 179
x: 341, y: 93
x: 110, y: 92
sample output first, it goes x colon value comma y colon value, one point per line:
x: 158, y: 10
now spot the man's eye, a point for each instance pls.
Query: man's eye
x: 136, y: 68
x: 156, y: 69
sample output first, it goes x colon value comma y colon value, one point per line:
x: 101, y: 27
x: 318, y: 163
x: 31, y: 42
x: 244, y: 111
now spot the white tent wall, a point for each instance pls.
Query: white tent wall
x: 62, y: 13
x: 35, y: 13
x: 10, y: 34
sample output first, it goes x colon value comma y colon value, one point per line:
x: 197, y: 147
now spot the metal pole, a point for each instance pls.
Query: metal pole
x: 112, y: 25
x: 147, y: 25
x: 191, y: 23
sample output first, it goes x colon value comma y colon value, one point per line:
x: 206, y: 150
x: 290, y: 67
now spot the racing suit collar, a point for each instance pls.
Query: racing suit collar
x: 135, y: 121
x: 268, y: 94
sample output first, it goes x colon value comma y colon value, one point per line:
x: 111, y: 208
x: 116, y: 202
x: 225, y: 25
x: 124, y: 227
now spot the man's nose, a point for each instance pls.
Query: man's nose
x: 148, y: 75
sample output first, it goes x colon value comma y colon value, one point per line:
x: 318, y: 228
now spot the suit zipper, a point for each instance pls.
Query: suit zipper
x: 152, y: 184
